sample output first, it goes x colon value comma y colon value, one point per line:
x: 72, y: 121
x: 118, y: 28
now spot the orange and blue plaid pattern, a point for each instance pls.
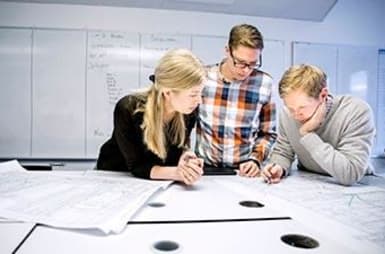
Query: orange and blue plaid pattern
x: 237, y: 121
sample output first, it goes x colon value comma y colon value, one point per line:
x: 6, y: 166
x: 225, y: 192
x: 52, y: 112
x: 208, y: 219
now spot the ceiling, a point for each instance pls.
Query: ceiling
x: 311, y: 10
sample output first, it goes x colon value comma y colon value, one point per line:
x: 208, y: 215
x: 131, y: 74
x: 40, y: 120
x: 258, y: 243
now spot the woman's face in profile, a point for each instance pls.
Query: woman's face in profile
x: 186, y: 101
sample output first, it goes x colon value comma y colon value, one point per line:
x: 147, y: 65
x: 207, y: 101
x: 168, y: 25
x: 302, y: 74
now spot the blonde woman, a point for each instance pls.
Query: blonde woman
x: 152, y: 128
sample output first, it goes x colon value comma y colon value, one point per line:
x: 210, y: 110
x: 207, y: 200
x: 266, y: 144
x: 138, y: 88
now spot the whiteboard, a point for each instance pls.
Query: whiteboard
x: 59, y: 100
x: 210, y: 49
x: 273, y: 62
x: 322, y: 55
x: 15, y: 99
x: 380, y: 112
x: 357, y: 69
x: 118, y: 64
x: 359, y: 77
x: 58, y: 94
x: 112, y: 72
x: 153, y: 47
x: 70, y: 81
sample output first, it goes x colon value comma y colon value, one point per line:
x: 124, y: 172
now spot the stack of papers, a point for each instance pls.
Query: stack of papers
x: 78, y: 201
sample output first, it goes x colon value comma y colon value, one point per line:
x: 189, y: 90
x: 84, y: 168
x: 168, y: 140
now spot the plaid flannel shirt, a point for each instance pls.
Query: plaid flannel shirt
x: 237, y: 121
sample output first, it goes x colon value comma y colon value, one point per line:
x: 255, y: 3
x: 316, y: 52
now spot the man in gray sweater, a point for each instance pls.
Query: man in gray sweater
x: 329, y: 135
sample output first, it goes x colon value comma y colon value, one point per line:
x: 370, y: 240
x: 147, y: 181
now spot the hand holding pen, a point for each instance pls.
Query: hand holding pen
x: 272, y: 173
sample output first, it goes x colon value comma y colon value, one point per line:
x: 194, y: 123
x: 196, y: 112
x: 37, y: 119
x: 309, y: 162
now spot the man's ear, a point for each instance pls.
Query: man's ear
x: 324, y: 93
x: 227, y: 51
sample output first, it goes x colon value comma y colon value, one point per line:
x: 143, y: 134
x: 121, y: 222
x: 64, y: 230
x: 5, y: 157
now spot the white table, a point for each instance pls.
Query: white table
x: 206, y: 200
x: 12, y: 234
x: 207, y: 218
x: 218, y: 237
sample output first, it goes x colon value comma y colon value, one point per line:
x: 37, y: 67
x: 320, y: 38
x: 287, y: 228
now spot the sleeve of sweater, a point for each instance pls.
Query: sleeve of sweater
x: 348, y: 161
x: 283, y: 153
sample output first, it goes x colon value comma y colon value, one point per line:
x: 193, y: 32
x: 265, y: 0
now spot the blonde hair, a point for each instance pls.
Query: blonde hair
x: 304, y: 77
x: 178, y: 70
x: 245, y: 35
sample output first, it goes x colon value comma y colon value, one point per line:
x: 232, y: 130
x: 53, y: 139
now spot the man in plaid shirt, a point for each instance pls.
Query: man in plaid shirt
x: 236, y: 125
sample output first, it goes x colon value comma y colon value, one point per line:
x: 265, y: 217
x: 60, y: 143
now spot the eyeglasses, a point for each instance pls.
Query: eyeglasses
x: 241, y: 64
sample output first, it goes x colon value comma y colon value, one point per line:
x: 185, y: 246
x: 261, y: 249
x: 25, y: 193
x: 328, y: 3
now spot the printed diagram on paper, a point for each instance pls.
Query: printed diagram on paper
x: 78, y: 201
x: 361, y: 206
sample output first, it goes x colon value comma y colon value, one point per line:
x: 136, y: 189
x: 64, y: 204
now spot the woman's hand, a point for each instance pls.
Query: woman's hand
x: 190, y: 167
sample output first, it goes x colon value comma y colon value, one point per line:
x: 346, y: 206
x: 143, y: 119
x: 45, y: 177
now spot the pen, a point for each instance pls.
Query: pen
x: 268, y: 178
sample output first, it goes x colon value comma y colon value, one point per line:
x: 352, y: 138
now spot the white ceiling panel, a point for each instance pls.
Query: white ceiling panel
x: 312, y: 10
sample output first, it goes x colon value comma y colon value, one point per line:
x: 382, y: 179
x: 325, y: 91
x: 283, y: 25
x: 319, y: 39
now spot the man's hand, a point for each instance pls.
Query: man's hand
x: 272, y: 173
x: 249, y: 169
x: 315, y: 121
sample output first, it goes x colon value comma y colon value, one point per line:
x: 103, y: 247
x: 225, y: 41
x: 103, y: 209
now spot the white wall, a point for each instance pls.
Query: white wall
x: 355, y: 22
x: 350, y: 22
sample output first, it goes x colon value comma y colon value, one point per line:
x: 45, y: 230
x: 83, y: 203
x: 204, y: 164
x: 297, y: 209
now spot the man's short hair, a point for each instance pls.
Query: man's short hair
x: 307, y: 78
x: 245, y: 35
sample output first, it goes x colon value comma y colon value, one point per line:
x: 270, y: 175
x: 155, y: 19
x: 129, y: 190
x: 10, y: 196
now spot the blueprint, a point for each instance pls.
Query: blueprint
x: 72, y: 201
x: 361, y: 206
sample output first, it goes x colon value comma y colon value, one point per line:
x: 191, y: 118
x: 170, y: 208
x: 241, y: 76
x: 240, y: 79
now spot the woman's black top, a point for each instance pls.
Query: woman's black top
x: 126, y: 150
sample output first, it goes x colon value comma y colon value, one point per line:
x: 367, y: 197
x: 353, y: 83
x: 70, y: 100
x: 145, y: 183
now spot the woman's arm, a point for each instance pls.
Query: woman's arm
x: 189, y: 169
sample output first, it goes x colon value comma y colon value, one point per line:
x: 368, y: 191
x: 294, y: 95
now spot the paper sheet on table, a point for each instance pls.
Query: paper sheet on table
x: 72, y: 201
x: 360, y: 207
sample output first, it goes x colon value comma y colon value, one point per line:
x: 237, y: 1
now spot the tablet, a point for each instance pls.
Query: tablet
x: 37, y: 167
x: 207, y: 170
